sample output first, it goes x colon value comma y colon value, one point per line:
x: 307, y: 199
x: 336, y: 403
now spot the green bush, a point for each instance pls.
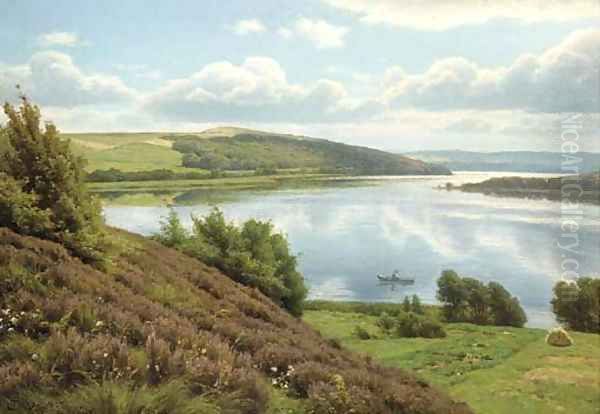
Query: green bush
x: 42, y: 190
x: 386, y: 323
x: 412, y: 325
x: 361, y: 333
x: 252, y: 254
x: 577, y: 304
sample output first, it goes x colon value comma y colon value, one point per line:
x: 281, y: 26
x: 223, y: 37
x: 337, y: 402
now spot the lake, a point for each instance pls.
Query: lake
x: 346, y: 234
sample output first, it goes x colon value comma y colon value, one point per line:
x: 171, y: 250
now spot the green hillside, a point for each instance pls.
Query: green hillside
x: 237, y: 149
x: 248, y: 151
x: 135, y: 157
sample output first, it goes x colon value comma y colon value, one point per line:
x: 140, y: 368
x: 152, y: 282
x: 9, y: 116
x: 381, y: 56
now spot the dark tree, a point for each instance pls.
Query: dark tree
x: 577, y: 304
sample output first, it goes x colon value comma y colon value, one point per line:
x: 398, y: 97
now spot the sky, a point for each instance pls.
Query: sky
x: 397, y: 75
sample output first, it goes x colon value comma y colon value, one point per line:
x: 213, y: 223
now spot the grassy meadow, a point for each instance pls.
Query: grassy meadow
x: 496, y: 370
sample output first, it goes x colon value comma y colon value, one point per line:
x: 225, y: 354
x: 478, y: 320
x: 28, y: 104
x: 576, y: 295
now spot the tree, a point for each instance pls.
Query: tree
x: 577, y: 304
x: 172, y: 233
x: 406, y: 307
x: 469, y: 300
x: 478, y: 299
x: 50, y: 181
x: 453, y: 293
x: 416, y: 306
x: 505, y: 309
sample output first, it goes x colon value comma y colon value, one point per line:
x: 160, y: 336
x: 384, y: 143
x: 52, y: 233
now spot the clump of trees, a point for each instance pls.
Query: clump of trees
x: 469, y: 300
x: 116, y: 175
x: 42, y: 191
x: 252, y: 254
x: 577, y: 304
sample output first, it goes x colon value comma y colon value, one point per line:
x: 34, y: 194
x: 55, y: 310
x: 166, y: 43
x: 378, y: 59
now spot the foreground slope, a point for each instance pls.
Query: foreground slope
x: 157, y: 316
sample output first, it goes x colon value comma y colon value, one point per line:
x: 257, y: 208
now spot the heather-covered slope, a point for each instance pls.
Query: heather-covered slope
x: 162, y: 329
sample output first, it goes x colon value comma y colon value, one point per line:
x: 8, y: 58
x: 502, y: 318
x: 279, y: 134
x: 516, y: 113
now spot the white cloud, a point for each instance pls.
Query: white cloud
x: 257, y: 91
x: 65, y: 39
x: 321, y: 33
x: 285, y: 32
x: 248, y: 26
x: 52, y: 78
x: 446, y: 14
x: 563, y: 78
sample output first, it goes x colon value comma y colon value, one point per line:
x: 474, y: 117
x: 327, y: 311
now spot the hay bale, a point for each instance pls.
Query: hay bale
x: 558, y: 337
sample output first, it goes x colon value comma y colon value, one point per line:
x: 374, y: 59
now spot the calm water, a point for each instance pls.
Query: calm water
x: 346, y: 235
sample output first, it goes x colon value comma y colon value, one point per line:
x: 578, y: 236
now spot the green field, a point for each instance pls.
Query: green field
x: 496, y: 370
x: 126, y: 151
x: 236, y: 149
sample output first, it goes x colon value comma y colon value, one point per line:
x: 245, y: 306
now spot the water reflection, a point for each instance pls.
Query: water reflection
x: 347, y: 235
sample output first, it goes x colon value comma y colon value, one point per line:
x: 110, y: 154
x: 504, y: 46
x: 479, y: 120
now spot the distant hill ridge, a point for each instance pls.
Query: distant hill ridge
x: 516, y: 161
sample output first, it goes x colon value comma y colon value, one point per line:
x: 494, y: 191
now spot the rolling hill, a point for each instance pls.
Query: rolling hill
x: 249, y: 150
x: 515, y: 161
x: 238, y: 149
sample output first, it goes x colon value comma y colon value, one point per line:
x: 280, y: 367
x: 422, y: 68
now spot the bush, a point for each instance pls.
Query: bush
x: 42, y: 191
x: 468, y: 300
x: 386, y: 323
x: 361, y: 333
x: 577, y: 304
x: 412, y: 325
x: 252, y: 254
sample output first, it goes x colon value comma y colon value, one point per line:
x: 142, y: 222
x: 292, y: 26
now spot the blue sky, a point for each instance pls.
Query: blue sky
x: 390, y: 74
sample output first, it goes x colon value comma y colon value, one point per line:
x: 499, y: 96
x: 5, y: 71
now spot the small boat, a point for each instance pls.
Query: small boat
x: 395, y: 278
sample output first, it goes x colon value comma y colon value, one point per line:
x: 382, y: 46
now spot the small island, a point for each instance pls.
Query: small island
x: 583, y: 188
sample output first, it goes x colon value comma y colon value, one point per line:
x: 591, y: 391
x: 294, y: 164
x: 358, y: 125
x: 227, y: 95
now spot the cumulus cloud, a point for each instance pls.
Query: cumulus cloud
x: 319, y: 32
x: 248, y: 26
x: 563, y: 78
x: 52, y: 78
x: 446, y: 14
x: 258, y: 91
x: 65, y: 39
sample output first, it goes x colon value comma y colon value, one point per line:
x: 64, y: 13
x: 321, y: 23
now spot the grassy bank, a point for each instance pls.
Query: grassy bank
x: 211, y: 191
x: 496, y: 370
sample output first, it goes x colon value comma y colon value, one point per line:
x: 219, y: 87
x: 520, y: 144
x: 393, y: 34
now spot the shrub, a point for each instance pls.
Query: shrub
x: 577, y: 304
x: 361, y: 333
x: 412, y: 325
x: 252, y: 254
x: 386, y: 323
x: 43, y: 192
x: 172, y: 233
